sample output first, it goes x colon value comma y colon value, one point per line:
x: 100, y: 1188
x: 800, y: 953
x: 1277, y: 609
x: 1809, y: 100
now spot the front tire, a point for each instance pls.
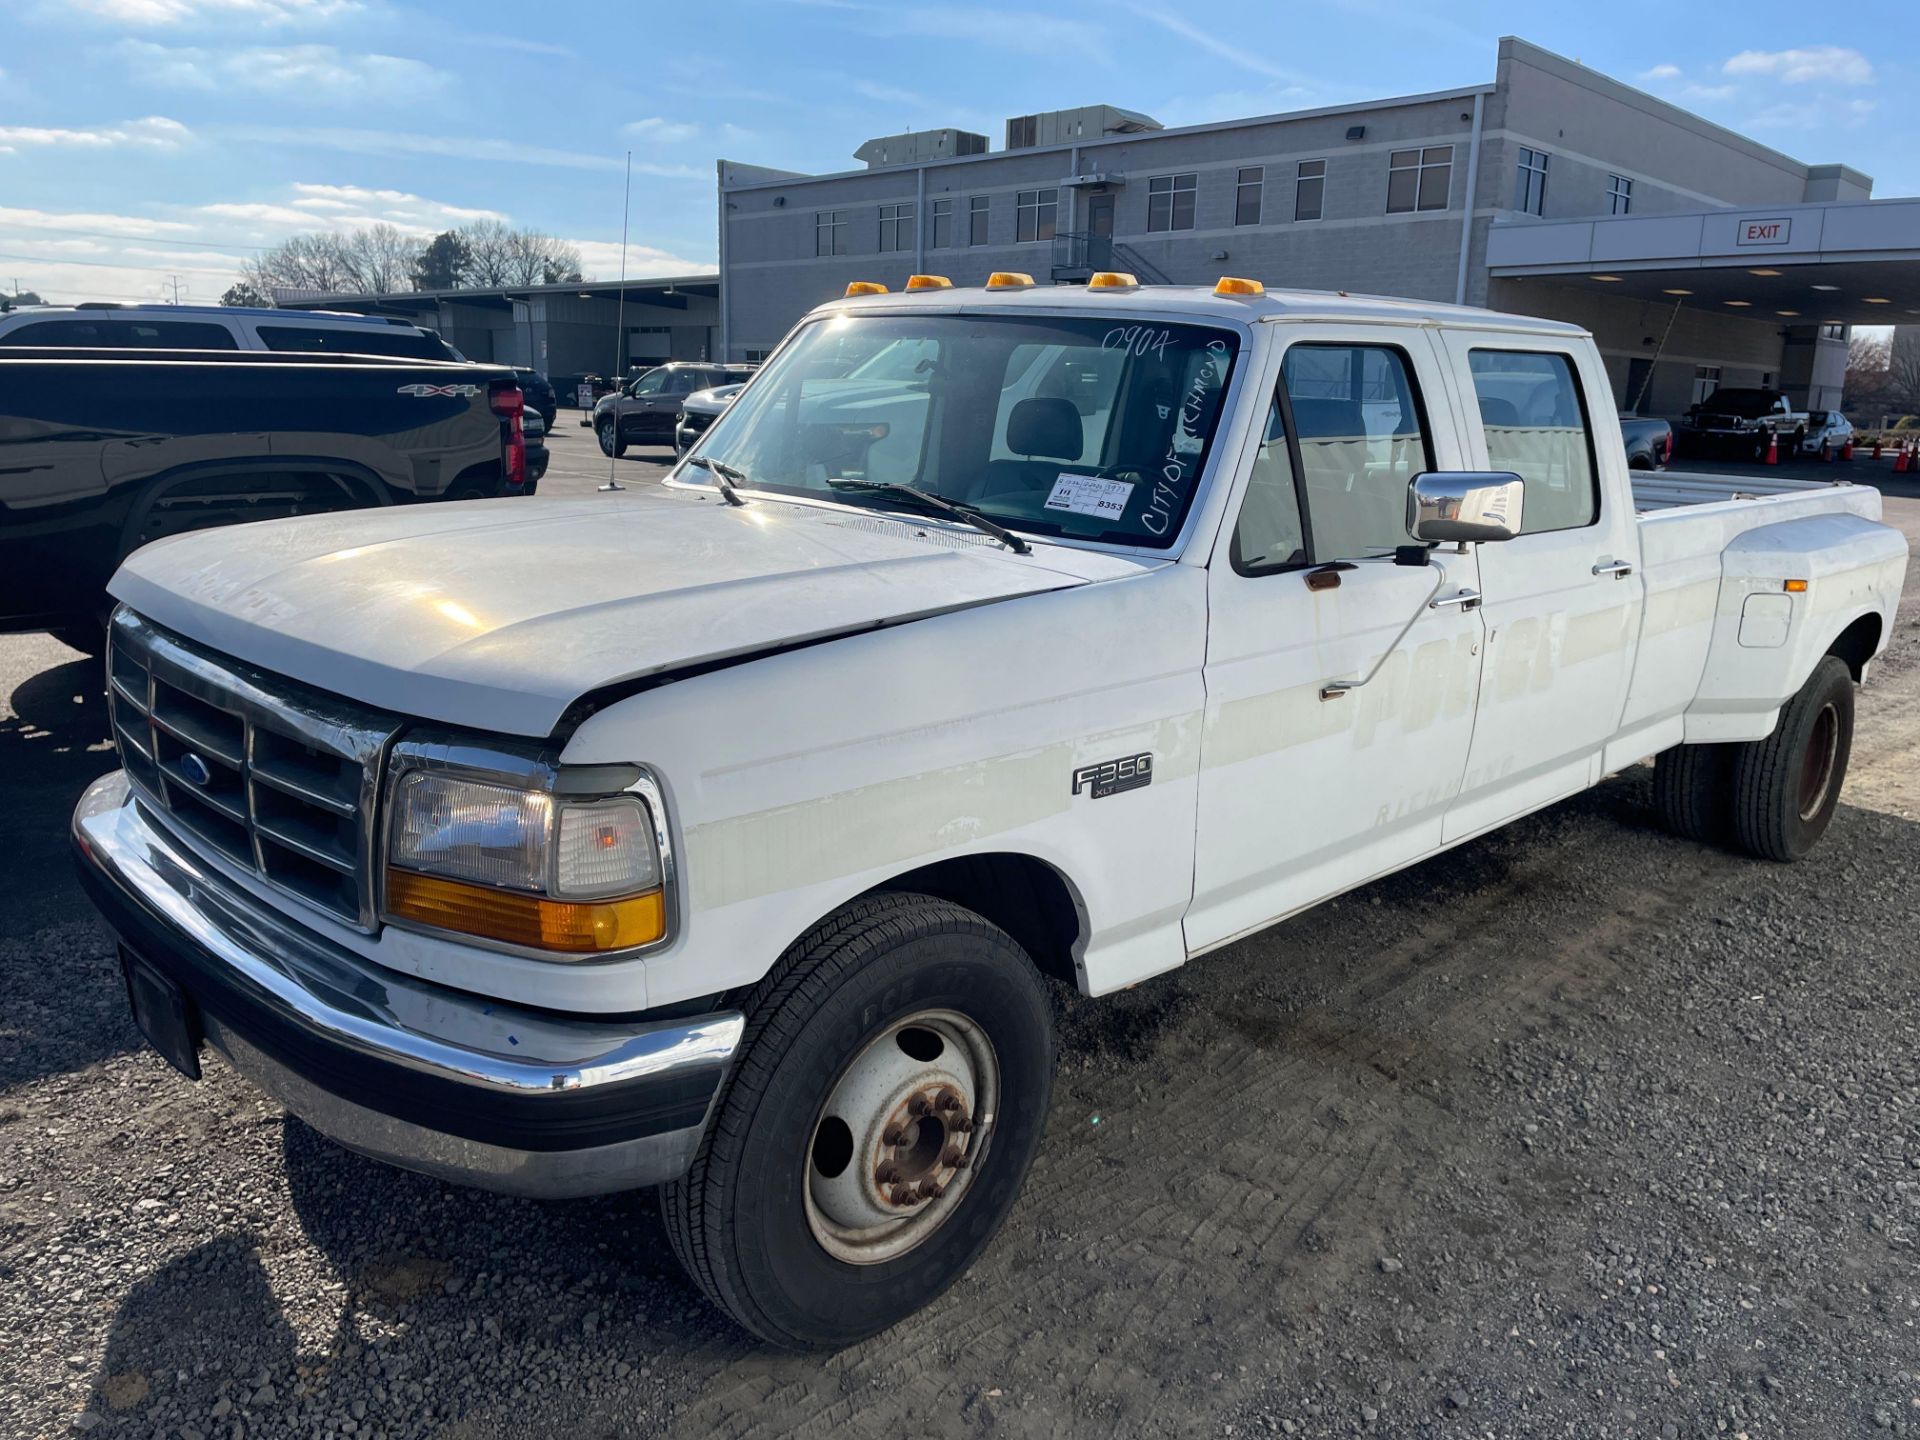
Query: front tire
x: 610, y: 441
x: 1787, y: 786
x: 890, y: 1094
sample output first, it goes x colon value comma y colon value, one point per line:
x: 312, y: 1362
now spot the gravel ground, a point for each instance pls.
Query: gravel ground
x: 1578, y: 1130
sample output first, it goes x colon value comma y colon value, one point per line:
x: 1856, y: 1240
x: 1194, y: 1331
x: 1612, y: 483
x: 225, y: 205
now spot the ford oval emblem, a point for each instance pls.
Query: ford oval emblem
x: 196, y: 769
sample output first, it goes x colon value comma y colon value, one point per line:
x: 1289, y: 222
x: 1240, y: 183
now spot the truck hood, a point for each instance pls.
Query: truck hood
x: 498, y: 615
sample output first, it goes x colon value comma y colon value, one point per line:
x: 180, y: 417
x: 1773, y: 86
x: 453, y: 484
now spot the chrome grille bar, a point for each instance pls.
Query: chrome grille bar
x: 271, y: 776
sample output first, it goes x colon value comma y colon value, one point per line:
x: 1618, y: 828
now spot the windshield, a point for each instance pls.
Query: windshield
x: 1743, y: 402
x: 1080, y: 428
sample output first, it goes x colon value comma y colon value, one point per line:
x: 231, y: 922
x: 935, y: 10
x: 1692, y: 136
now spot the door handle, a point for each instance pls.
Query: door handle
x: 1465, y: 599
x: 1619, y: 569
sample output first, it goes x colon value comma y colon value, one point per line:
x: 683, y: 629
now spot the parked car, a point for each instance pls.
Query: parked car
x: 539, y: 392
x: 1742, y: 422
x: 109, y: 450
x: 700, y: 410
x: 110, y: 326
x: 534, y: 431
x: 645, y: 410
x: 719, y: 833
x: 1826, y: 429
x: 1649, y: 442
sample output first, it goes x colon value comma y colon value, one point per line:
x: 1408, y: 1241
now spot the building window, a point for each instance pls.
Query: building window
x: 1247, y: 190
x: 1309, y: 189
x: 1023, y: 131
x: 1419, y: 179
x: 977, y: 220
x: 1035, y: 212
x: 1833, y: 332
x: 896, y: 227
x: 1619, y: 192
x: 757, y: 357
x: 1170, y: 202
x: 1530, y: 184
x: 830, y: 232
x: 940, y: 236
x: 1706, y: 380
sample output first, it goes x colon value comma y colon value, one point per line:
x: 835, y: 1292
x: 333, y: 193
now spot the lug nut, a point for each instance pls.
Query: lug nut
x: 947, y: 1101
x: 892, y: 1134
x: 964, y: 1126
x: 962, y: 1162
x: 902, y: 1195
x: 917, y: 1106
x: 931, y: 1189
x: 953, y: 1156
x: 887, y: 1174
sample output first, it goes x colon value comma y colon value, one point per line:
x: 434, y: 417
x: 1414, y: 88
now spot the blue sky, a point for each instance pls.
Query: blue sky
x: 146, y: 139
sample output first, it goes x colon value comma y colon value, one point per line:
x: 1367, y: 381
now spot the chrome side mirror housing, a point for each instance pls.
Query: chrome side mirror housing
x: 1470, y: 506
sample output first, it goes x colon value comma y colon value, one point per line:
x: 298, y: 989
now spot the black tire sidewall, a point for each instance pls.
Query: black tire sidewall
x: 806, y: 1295
x: 1830, y: 684
x: 608, y: 442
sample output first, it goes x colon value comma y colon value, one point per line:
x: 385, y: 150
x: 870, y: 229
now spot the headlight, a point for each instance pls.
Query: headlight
x: 525, y: 866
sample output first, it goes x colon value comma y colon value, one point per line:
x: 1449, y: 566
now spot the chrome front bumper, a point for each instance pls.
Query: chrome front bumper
x: 422, y: 1076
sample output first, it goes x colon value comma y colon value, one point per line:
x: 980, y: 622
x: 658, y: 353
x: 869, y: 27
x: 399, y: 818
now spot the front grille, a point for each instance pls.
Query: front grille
x: 278, y: 779
x: 695, y: 420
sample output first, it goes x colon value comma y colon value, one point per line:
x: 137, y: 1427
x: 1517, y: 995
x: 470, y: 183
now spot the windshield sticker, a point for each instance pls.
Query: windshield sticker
x: 1090, y: 495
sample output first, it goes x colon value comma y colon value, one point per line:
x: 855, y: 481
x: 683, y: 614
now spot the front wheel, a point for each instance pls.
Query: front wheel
x: 888, y: 1100
x: 1787, y: 786
x: 610, y: 441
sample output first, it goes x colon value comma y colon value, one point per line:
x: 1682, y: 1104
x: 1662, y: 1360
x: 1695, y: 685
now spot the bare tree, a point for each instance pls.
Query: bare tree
x: 241, y: 293
x: 1903, y: 369
x: 304, y: 262
x: 380, y: 259
x: 539, y: 259
x: 491, y: 254
x: 1866, y: 383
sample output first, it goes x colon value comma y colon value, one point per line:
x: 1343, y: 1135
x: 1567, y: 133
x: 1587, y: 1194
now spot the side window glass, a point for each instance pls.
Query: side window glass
x: 1362, y: 438
x: 1268, y: 535
x: 648, y: 384
x: 1536, y: 427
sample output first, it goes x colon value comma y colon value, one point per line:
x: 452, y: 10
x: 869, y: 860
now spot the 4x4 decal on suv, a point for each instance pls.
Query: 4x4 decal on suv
x: 431, y: 390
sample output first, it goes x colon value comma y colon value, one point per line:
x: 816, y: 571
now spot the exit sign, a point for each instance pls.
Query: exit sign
x: 1777, y: 231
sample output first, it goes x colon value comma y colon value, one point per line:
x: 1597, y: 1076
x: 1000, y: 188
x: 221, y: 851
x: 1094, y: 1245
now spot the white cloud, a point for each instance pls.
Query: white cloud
x: 1661, y: 72
x: 310, y: 72
x: 86, y: 220
x: 398, y: 202
x: 155, y: 132
x: 162, y: 13
x: 456, y: 147
x: 1242, y: 55
x: 601, y: 260
x: 1814, y: 64
x: 666, y: 132
x: 887, y: 94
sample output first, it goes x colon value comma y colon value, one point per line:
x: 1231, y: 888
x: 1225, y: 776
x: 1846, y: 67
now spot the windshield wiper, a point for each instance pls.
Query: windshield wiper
x: 724, y: 475
x: 957, y: 508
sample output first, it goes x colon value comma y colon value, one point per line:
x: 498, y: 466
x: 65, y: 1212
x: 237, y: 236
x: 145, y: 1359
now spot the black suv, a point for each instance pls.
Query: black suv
x: 539, y: 392
x: 645, y: 411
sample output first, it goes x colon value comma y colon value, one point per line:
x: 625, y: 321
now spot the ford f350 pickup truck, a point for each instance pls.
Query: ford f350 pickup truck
x: 719, y: 835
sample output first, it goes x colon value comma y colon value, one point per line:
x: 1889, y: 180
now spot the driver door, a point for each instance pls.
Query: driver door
x: 1304, y: 794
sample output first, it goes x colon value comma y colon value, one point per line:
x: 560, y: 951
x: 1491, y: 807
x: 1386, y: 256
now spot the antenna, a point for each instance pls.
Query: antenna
x: 620, y: 334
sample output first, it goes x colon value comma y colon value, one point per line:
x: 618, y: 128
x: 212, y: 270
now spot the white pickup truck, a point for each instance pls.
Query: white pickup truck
x: 719, y: 835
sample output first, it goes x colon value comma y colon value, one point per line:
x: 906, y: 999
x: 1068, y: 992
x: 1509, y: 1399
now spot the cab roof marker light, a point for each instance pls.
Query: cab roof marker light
x: 1112, y: 280
x: 929, y: 282
x: 1233, y: 285
x: 865, y: 287
x: 1009, y: 280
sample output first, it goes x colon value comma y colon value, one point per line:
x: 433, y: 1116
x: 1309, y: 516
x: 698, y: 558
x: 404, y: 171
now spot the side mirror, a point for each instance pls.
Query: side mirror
x: 1465, y: 505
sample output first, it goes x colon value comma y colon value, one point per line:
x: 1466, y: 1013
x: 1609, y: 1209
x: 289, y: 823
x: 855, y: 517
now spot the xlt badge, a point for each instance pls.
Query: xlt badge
x: 1110, y: 777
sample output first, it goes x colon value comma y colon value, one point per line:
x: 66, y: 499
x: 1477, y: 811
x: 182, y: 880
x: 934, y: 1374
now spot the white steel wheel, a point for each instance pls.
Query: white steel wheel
x: 898, y: 1141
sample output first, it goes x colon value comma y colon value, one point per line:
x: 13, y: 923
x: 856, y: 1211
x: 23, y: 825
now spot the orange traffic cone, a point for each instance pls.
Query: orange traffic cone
x: 1826, y: 451
x: 1846, y: 449
x: 1900, y: 459
x: 1773, y: 448
x: 1876, y: 447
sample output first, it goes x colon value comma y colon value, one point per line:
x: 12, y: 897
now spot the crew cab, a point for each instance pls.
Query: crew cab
x: 1743, y: 422
x: 107, y: 450
x: 719, y: 834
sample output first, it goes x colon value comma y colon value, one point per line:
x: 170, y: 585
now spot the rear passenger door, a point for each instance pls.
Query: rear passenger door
x: 1562, y: 601
x: 1303, y: 795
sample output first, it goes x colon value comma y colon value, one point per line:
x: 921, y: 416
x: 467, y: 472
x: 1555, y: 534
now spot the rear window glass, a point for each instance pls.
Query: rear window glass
x: 108, y: 333
x: 355, y: 340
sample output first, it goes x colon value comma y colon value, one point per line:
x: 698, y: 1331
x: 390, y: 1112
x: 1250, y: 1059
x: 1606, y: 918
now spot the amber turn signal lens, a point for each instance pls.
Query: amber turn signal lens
x: 567, y: 927
x: 1796, y: 587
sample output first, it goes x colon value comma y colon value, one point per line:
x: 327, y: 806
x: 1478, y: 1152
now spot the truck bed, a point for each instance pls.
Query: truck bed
x: 1670, y: 489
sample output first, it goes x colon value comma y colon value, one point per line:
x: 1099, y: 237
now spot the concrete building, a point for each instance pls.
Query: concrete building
x: 1696, y: 255
x: 561, y: 330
